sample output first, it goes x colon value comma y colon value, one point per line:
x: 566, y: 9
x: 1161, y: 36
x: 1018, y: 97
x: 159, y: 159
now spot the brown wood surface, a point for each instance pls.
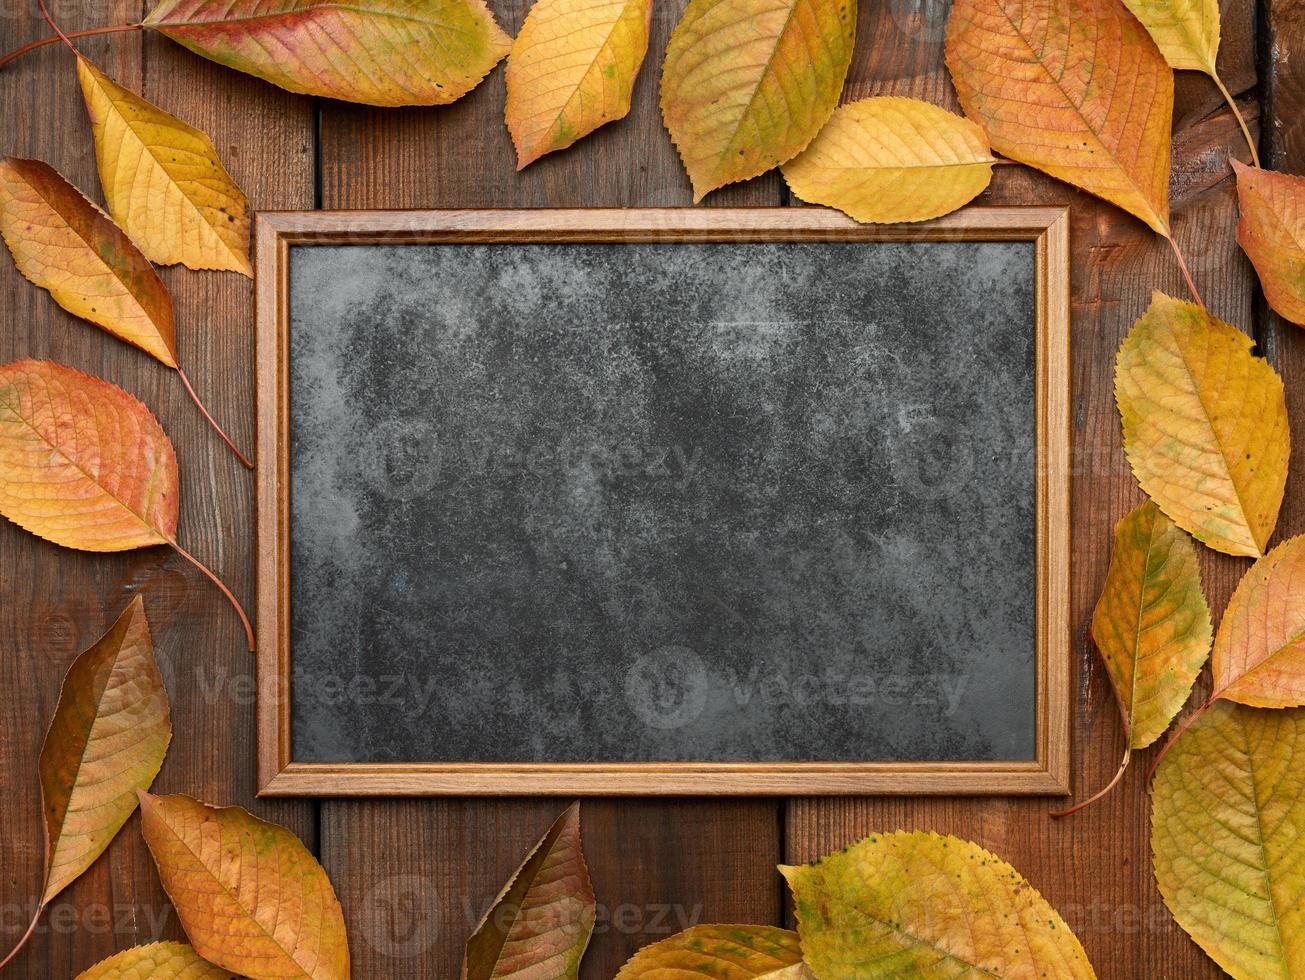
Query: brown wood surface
x: 413, y: 875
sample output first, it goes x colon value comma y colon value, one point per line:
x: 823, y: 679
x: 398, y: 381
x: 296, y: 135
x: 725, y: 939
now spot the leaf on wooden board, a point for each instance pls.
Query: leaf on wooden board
x: 733, y: 952
x: 163, y: 181
x: 572, y: 69
x: 540, y: 923
x: 250, y: 896
x: 157, y: 961
x: 1076, y: 88
x: 1272, y: 233
x: 379, y: 52
x: 1185, y: 31
x: 1259, y: 651
x: 66, y: 245
x: 1205, y: 425
x: 747, y: 84
x: 893, y: 159
x: 1228, y: 838
x: 82, y: 463
x: 1152, y: 623
x: 108, y: 738
x: 921, y: 904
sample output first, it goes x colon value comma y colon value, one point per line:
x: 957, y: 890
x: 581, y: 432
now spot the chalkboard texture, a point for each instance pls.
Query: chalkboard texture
x: 616, y: 502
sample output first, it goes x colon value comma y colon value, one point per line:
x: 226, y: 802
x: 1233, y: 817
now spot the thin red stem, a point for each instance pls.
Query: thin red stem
x: 1182, y: 264
x: 1187, y: 723
x: 211, y: 421
x: 240, y: 611
x: 43, y: 42
x: 45, y: 12
x: 1119, y: 774
x: 26, y: 936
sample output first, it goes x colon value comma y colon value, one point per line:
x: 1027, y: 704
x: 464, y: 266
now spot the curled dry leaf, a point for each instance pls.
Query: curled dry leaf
x: 713, y: 952
x: 572, y: 69
x: 540, y: 923
x: 919, y: 904
x: 747, y: 84
x: 1228, y: 837
x: 85, y: 465
x: 1205, y: 425
x: 1152, y: 626
x: 1076, y: 88
x: 1259, y: 651
x: 1272, y: 232
x: 250, y: 896
x: 163, y: 181
x: 157, y: 961
x: 893, y: 159
x: 383, y: 52
x: 66, y: 245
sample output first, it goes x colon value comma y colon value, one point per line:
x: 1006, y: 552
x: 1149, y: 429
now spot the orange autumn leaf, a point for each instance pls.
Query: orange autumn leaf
x: 1076, y: 88
x: 1205, y: 425
x: 572, y: 69
x: 378, y: 52
x: 1259, y: 650
x: 156, y: 961
x: 540, y: 923
x: 747, y: 84
x: 163, y: 181
x: 1272, y: 233
x: 250, y: 896
x: 85, y: 465
x: 66, y: 245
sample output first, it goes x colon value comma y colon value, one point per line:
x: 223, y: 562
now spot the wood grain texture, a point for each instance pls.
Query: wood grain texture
x: 714, y: 856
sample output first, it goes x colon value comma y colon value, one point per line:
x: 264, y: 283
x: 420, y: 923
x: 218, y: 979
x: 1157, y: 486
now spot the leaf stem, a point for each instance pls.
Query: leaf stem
x: 1241, y: 121
x: 45, y: 12
x: 1119, y: 774
x: 211, y: 421
x: 240, y: 611
x: 56, y: 39
x: 26, y: 936
x: 1187, y: 722
x: 1182, y: 265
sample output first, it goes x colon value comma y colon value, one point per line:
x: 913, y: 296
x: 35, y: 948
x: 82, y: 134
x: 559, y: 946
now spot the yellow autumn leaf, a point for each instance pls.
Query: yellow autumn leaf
x: 1228, y: 838
x: 572, y: 69
x: 1272, y: 233
x: 250, y: 896
x: 923, y: 905
x: 156, y: 961
x: 1205, y: 425
x: 1259, y: 651
x: 721, y: 952
x: 1076, y: 88
x: 747, y: 84
x: 1152, y: 627
x: 163, y: 181
x: 892, y: 159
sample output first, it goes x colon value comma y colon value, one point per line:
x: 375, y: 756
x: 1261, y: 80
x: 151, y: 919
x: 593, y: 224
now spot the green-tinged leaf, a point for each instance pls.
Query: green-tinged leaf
x: 1185, y: 31
x: 721, y: 953
x: 157, y: 961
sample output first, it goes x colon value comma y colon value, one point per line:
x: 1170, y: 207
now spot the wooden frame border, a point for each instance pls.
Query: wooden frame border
x: 1047, y: 773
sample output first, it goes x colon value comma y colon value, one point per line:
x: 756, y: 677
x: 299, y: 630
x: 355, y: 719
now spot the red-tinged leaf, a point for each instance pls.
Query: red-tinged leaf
x: 1272, y: 232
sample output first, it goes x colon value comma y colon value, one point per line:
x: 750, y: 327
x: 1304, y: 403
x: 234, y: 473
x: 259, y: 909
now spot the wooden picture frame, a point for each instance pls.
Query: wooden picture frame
x: 1047, y: 773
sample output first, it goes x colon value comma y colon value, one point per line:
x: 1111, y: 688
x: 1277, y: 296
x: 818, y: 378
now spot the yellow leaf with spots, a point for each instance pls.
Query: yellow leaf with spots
x: 721, y: 953
x: 250, y: 896
x: 1259, y: 651
x: 1205, y: 425
x: 157, y: 961
x: 893, y: 159
x: 747, y: 84
x: 1076, y: 88
x: 572, y: 69
x: 1228, y: 838
x: 163, y: 181
x: 923, y: 905
x: 1272, y: 233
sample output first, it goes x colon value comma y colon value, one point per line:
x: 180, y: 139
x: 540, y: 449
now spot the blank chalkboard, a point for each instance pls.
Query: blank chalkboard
x: 651, y: 501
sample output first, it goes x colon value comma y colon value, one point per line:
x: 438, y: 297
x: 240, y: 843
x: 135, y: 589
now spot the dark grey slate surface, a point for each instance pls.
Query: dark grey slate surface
x: 662, y: 502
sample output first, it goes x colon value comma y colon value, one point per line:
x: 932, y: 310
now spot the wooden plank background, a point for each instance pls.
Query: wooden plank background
x: 414, y: 875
